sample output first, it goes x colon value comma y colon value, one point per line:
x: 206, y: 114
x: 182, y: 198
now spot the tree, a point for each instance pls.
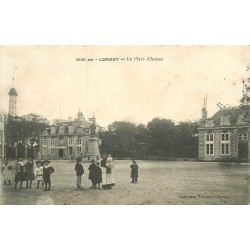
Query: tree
x: 22, y: 135
x: 162, y: 137
x: 187, y: 136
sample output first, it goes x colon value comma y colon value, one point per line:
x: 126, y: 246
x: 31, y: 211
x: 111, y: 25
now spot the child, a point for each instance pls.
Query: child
x: 79, y: 172
x: 47, y: 171
x: 29, y: 172
x: 20, y: 172
x: 91, y: 169
x: 39, y: 173
x: 6, y: 172
x: 134, y: 171
x: 98, y: 175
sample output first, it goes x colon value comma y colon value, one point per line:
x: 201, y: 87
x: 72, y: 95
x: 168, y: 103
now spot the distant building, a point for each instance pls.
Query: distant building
x: 12, y: 102
x: 2, y: 154
x: 67, y: 139
x: 224, y: 136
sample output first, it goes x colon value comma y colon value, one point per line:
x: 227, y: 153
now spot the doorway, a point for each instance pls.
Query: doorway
x: 243, y: 151
x: 60, y: 153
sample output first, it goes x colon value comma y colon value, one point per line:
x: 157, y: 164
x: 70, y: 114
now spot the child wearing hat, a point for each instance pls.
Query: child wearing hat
x: 39, y: 173
x: 79, y: 172
x: 134, y: 171
x: 47, y: 171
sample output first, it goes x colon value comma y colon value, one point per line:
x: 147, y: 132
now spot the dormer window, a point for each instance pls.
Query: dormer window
x: 241, y: 118
x: 61, y: 130
x: 225, y: 120
x: 53, y: 130
x: 71, y: 129
x: 209, y: 123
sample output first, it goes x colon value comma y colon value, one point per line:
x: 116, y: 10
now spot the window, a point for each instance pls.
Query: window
x: 52, y: 142
x: 225, y: 120
x: 45, y: 150
x: 243, y: 137
x: 44, y: 142
x: 61, y: 129
x: 70, y: 141
x: 70, y: 150
x: 209, y: 144
x: 225, y: 142
x: 79, y: 150
x: 53, y: 130
x: 79, y: 141
x: 52, y: 151
x: 71, y: 129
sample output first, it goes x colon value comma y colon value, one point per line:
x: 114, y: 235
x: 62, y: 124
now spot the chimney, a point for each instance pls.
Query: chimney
x: 204, y: 109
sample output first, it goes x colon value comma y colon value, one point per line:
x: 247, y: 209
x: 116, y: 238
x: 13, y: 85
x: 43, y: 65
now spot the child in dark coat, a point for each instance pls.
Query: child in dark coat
x: 134, y: 171
x: 79, y: 172
x: 47, y: 171
x: 91, y: 169
x: 98, y: 175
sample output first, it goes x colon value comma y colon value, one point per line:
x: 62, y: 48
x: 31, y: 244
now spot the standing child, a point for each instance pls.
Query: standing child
x: 39, y: 173
x: 20, y: 174
x: 98, y: 175
x: 29, y: 172
x: 91, y: 169
x: 6, y: 172
x: 134, y: 171
x: 79, y: 172
x: 47, y: 171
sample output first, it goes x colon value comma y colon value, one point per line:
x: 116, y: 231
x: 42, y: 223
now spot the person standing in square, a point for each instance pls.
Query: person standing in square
x: 134, y: 171
x: 6, y: 172
x: 39, y: 173
x: 79, y: 172
x: 30, y: 176
x: 47, y: 171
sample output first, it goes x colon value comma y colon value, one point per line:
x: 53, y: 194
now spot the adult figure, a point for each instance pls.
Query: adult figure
x: 107, y: 171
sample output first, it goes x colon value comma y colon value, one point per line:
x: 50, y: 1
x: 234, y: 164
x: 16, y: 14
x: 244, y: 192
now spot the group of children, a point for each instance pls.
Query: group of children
x: 26, y: 172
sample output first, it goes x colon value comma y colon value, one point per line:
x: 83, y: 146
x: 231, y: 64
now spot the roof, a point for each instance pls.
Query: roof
x: 233, y: 112
x: 13, y: 91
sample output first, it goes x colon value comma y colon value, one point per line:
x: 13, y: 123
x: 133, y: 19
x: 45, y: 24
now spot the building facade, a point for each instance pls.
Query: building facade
x: 67, y: 140
x: 225, y: 136
x: 2, y: 153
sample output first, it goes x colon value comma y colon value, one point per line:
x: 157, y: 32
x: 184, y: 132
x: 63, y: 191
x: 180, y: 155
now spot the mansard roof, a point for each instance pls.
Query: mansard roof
x: 232, y: 112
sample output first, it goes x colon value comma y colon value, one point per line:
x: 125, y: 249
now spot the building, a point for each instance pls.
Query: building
x: 225, y: 136
x: 12, y: 102
x: 2, y: 153
x: 68, y: 139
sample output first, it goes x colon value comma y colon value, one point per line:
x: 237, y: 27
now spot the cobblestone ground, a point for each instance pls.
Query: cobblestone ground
x: 160, y: 182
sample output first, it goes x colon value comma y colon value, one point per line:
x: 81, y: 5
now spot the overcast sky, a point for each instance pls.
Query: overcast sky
x: 137, y: 91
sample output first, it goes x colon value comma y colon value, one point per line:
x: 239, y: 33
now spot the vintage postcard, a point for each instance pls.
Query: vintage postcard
x: 124, y: 125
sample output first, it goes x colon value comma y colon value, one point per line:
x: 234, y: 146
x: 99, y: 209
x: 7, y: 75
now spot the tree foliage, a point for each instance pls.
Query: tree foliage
x: 20, y: 132
x: 161, y: 137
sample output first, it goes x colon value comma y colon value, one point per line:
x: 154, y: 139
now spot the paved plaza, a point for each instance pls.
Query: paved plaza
x: 159, y: 183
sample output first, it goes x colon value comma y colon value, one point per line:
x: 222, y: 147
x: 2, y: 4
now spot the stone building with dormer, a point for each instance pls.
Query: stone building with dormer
x: 224, y: 136
x: 68, y: 139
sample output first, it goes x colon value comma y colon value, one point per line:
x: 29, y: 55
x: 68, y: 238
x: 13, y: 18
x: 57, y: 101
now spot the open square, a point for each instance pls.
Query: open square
x: 159, y: 183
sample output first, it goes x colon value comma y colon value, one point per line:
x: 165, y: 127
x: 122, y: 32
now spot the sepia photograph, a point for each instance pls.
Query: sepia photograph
x: 124, y: 125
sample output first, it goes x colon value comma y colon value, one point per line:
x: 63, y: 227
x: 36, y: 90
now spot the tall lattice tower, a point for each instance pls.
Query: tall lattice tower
x: 12, y: 102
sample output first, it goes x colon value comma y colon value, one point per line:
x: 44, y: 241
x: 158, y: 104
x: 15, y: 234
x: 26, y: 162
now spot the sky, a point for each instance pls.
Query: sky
x: 51, y: 82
